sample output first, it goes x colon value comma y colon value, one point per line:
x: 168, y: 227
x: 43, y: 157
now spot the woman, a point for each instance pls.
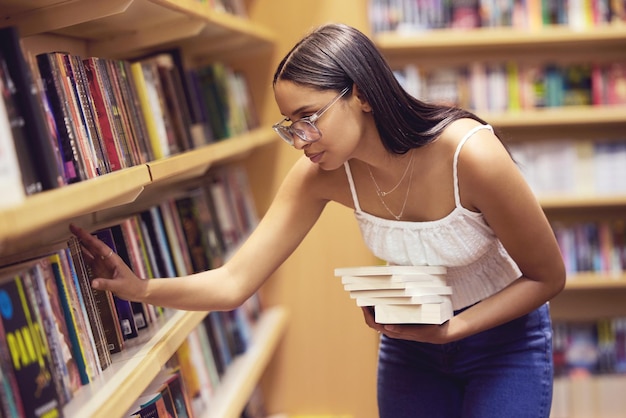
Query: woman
x: 430, y: 185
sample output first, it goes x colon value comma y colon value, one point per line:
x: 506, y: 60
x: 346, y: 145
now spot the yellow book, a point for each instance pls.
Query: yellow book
x: 158, y: 139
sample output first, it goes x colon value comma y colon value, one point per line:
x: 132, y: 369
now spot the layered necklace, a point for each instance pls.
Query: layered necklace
x: 381, y: 194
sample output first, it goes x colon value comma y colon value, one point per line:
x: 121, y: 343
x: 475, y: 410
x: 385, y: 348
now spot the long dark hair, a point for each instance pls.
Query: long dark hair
x: 336, y: 56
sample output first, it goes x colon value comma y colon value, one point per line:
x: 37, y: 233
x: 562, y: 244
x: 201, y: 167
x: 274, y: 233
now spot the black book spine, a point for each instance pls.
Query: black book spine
x: 37, y: 141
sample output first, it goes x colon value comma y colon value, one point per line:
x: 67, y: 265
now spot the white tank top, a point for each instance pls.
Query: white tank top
x: 478, y: 265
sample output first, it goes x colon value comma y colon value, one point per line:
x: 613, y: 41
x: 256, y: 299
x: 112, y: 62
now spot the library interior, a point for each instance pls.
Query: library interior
x: 151, y: 124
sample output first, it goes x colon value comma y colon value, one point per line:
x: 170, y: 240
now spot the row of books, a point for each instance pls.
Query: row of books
x: 590, y: 347
x: 511, y: 86
x: 210, y: 349
x: 400, y: 294
x: 573, y: 167
x: 72, y: 118
x: 166, y: 397
x: 59, y: 331
x: 593, y: 246
x: 185, y: 386
x: 421, y: 15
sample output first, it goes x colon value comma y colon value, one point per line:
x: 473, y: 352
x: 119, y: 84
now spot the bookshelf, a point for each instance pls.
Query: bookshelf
x: 114, y: 392
x: 587, y: 296
x: 125, y: 29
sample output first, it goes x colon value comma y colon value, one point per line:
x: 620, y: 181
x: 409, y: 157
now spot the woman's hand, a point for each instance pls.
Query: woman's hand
x: 426, y: 333
x: 109, y: 270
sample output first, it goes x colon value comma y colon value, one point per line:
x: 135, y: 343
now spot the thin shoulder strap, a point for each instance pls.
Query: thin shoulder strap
x: 355, y: 199
x: 457, y: 195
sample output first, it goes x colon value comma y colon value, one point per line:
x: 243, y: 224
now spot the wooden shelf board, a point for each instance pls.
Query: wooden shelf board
x: 114, y: 392
x: 503, y: 38
x: 116, y: 28
x: 70, y: 201
x: 586, y: 281
x: 555, y: 116
x: 237, y: 384
x: 196, y: 162
x: 567, y: 202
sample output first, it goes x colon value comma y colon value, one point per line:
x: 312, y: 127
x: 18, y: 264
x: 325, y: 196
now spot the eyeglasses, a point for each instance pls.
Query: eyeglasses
x: 305, y: 128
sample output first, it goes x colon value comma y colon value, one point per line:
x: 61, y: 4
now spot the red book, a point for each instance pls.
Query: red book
x: 99, y: 100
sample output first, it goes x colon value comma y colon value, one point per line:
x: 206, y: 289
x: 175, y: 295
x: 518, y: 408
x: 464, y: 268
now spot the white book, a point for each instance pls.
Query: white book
x: 11, y: 186
x: 427, y: 313
x: 401, y: 300
x: 395, y: 278
x: 412, y: 291
x: 388, y: 270
x: 387, y: 285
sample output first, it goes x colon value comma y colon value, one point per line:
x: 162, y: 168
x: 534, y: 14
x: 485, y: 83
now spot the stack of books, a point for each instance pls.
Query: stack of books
x: 400, y: 294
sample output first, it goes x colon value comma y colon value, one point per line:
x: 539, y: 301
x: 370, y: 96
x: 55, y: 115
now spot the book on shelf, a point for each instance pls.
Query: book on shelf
x: 35, y: 145
x: 167, y: 385
x: 175, y: 235
x: 35, y: 281
x: 125, y: 316
x: 12, y: 189
x: 102, y: 107
x: 55, y: 87
x: 145, y: 76
x: 104, y: 302
x: 132, y: 318
x: 82, y: 282
x: 400, y: 294
x: 175, y: 100
x: 24, y: 346
x: 201, y: 231
x: 83, y: 343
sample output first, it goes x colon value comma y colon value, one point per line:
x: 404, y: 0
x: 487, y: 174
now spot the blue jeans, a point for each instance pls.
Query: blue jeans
x: 506, y: 371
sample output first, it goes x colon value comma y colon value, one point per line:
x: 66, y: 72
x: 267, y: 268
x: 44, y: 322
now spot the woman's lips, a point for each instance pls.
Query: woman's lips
x: 315, y: 158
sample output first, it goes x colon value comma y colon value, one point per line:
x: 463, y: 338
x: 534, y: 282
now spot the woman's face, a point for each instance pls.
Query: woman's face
x: 334, y: 129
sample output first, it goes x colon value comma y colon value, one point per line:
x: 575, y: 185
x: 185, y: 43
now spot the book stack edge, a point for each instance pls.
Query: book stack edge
x: 400, y: 294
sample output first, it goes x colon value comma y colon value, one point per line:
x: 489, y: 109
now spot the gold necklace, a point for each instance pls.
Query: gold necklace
x: 381, y: 194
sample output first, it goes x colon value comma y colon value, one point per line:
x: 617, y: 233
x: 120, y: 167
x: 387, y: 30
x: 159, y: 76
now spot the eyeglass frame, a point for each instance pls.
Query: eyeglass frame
x: 287, y: 134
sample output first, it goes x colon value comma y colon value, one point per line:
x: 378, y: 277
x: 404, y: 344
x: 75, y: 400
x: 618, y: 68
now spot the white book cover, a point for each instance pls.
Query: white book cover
x: 401, y: 300
x: 388, y: 270
x: 440, y: 279
x: 11, y: 186
x: 414, y: 291
x: 428, y: 313
x: 391, y: 285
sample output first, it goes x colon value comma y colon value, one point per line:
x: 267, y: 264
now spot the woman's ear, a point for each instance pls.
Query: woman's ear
x: 365, y: 106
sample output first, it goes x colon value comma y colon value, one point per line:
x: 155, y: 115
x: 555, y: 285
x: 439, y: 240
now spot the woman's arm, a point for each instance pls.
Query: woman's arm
x: 293, y: 212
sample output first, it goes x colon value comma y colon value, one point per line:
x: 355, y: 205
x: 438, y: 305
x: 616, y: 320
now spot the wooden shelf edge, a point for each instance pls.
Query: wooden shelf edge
x: 196, y: 162
x: 494, y: 38
x: 224, y: 20
x: 557, y: 116
x: 567, y: 202
x: 109, y: 190
x: 240, y: 379
x: 597, y: 281
x: 114, y: 392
